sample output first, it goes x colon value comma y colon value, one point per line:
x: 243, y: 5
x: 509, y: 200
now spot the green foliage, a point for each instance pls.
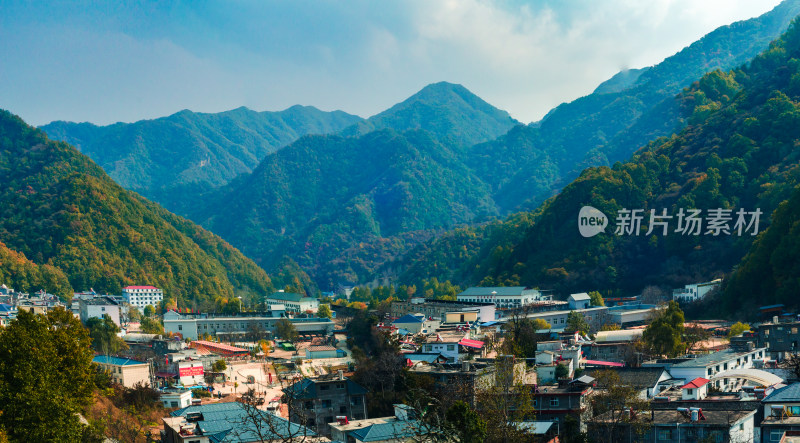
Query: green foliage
x: 596, y: 299
x: 103, y: 332
x: 663, y: 336
x: 324, y: 311
x: 65, y: 214
x: 219, y: 366
x: 174, y: 160
x: 149, y: 311
x: 576, y: 322
x: 738, y: 328
x: 561, y: 371
x: 285, y: 329
x: 520, y: 337
x: 152, y: 326
x: 465, y: 424
x: 37, y: 352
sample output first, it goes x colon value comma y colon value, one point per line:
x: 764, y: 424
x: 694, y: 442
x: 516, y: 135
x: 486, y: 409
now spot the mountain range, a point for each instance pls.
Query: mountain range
x: 66, y: 225
x: 417, y: 191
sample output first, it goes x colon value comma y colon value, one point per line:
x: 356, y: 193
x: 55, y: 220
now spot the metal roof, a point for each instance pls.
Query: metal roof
x: 789, y: 393
x: 498, y: 290
x: 408, y: 318
x: 231, y: 423
x: 119, y: 361
x: 396, y: 430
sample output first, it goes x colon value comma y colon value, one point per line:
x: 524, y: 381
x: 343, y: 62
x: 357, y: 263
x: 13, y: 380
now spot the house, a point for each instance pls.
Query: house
x: 436, y: 309
x: 568, y: 398
x: 463, y: 381
x: 97, y: 307
x: 780, y: 338
x: 502, y: 297
x: 416, y: 324
x: 230, y: 422
x: 240, y: 325
x: 615, y: 346
x: 317, y: 402
x: 124, y: 371
x: 781, y: 412
x: 648, y: 381
x: 322, y: 351
x: 176, y: 398
x: 720, y: 367
x: 142, y: 296
x: 447, y: 344
x: 677, y: 425
x: 190, y: 372
x: 295, y: 303
x: 696, y: 291
x: 401, y: 427
x: 695, y: 389
x: 579, y: 301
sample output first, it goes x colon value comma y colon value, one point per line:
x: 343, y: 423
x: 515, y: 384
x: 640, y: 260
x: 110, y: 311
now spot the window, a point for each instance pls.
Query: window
x: 665, y: 434
x: 554, y: 402
x: 775, y: 435
x: 451, y: 347
x: 173, y: 404
x: 339, y: 385
x: 326, y: 403
x: 343, y: 409
x: 690, y: 391
x: 180, y: 327
x: 324, y: 387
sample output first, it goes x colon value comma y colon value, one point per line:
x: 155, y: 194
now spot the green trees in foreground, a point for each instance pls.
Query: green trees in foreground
x: 46, y: 377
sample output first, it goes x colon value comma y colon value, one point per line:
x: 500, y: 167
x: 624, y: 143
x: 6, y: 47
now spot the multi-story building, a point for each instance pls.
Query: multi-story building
x: 615, y: 346
x: 295, y: 303
x: 720, y: 367
x: 596, y: 317
x: 568, y: 398
x: 141, y: 296
x: 192, y: 326
x: 780, y: 338
x: 503, y: 297
x: 98, y: 307
x: 401, y: 427
x: 317, y: 402
x: 437, y: 309
x: 694, y: 292
x: 781, y: 413
x: 124, y: 371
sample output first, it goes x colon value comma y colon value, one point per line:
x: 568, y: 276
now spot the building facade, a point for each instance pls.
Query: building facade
x: 192, y: 326
x: 141, y: 296
x: 124, y: 371
x: 295, y: 303
x: 694, y: 292
x: 317, y: 402
x: 98, y: 307
x: 502, y: 297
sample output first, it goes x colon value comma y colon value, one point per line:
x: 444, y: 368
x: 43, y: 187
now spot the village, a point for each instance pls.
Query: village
x: 582, y: 370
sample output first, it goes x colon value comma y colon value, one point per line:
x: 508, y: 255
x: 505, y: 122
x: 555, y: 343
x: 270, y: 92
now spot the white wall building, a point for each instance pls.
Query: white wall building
x: 694, y: 292
x: 503, y: 297
x: 709, y: 365
x: 141, y: 296
x: 98, y: 307
x: 190, y: 372
x: 179, y: 399
x: 291, y: 302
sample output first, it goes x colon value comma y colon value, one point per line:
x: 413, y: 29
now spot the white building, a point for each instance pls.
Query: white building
x: 503, y: 297
x: 179, y: 399
x: 579, y: 301
x: 717, y: 365
x: 98, y: 307
x: 124, y: 371
x: 190, y: 372
x: 291, y: 302
x: 694, y: 292
x: 141, y: 296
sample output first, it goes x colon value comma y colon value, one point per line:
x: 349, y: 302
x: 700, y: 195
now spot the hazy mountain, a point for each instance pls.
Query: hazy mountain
x: 174, y: 159
x: 451, y: 112
x: 739, y: 151
x: 66, y: 215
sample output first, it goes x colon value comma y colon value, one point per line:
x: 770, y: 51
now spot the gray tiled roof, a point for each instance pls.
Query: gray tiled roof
x: 789, y: 393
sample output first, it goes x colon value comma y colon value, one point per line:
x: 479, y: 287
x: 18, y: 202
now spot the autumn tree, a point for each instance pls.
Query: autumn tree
x: 596, y: 299
x: 37, y: 352
x: 103, y: 332
x: 576, y: 322
x: 611, y: 406
x: 324, y: 311
x: 738, y: 328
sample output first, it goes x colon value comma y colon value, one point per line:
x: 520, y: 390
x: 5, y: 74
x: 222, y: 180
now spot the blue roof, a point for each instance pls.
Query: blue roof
x: 408, y: 318
x: 6, y: 307
x: 107, y: 359
x: 395, y: 430
x: 785, y: 394
x: 229, y: 423
x: 428, y: 358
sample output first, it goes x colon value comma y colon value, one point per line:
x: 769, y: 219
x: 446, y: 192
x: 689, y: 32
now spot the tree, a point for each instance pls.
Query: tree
x: 103, y: 332
x: 576, y: 322
x: 652, y: 295
x: 541, y: 324
x: 664, y: 333
x: 792, y: 364
x: 149, y: 311
x: 37, y: 352
x: 611, y: 406
x: 286, y: 330
x: 133, y: 313
x: 596, y: 299
x: 738, y: 328
x: 324, y: 311
x: 561, y: 371
x: 693, y: 335
x: 520, y: 337
x: 152, y: 326
x: 219, y: 366
x: 465, y: 424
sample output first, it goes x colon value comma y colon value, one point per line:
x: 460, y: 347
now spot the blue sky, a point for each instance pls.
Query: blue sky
x: 124, y: 61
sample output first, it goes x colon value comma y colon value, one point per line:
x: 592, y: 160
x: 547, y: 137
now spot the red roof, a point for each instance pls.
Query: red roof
x: 140, y: 287
x: 218, y: 346
x: 471, y: 343
x: 696, y: 383
x: 604, y: 363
